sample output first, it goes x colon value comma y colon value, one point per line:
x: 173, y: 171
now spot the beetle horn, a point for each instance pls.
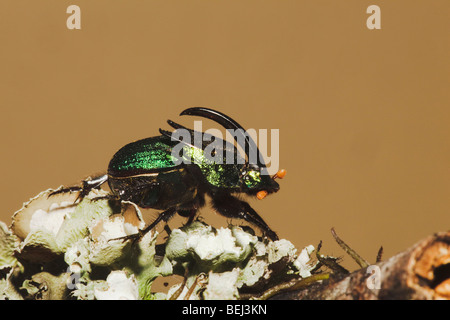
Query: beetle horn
x: 245, y: 141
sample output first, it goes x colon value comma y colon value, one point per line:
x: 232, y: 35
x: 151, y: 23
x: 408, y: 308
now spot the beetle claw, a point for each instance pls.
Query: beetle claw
x: 64, y: 190
x: 135, y: 237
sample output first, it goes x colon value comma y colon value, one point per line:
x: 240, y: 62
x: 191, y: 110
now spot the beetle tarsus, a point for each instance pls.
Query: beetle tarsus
x: 84, y: 190
x: 64, y: 190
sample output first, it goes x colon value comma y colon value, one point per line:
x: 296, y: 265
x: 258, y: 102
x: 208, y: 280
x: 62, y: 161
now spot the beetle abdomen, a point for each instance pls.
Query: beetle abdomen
x: 143, y: 156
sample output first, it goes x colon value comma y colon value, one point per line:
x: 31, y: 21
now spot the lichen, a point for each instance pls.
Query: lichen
x: 60, y: 248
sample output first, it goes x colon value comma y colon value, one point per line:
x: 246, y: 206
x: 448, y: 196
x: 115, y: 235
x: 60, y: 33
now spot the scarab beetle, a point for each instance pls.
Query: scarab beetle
x: 147, y: 173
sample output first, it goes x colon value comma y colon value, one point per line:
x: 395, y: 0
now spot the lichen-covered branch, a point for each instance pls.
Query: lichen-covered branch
x: 60, y: 248
x: 421, y: 272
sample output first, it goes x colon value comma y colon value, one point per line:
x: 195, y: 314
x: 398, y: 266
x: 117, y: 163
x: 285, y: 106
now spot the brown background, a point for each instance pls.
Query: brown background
x: 363, y: 115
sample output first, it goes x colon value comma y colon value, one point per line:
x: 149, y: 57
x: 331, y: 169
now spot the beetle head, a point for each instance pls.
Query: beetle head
x: 255, y: 180
x: 260, y: 184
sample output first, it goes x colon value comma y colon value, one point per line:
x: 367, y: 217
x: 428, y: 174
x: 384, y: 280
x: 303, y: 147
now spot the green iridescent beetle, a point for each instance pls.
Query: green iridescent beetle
x: 150, y: 174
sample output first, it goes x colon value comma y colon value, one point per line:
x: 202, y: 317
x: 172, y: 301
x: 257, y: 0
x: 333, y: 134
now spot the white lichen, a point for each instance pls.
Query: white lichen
x: 120, y: 287
x: 102, y: 261
x: 303, y: 262
x: 222, y: 286
x: 279, y: 249
x: 213, y: 247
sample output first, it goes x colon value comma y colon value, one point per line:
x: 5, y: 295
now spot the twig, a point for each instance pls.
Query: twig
x: 359, y: 260
x: 291, y: 285
x: 421, y: 272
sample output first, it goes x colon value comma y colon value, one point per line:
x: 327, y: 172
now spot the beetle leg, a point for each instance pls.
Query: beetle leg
x: 167, y: 230
x: 107, y: 197
x: 163, y: 216
x: 189, y: 213
x: 65, y: 190
x: 94, y: 183
x: 88, y: 185
x: 231, y: 207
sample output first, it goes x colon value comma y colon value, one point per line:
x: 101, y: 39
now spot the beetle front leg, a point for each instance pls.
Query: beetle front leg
x: 84, y: 190
x: 94, y: 183
x: 65, y: 190
x: 232, y: 207
x: 163, y: 216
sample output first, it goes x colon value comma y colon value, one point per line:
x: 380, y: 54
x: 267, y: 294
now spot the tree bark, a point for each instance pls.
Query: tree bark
x: 421, y: 272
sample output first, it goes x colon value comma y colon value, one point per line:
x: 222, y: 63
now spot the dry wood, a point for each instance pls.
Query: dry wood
x: 421, y: 272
